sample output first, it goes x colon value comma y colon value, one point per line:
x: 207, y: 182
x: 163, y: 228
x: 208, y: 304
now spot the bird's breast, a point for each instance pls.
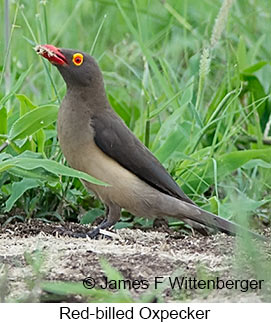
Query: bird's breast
x: 75, y: 133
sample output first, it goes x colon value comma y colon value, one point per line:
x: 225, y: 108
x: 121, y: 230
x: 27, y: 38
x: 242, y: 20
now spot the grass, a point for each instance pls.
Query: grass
x: 190, y: 78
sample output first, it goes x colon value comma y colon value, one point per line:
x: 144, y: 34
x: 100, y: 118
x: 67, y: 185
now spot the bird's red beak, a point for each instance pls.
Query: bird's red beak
x: 52, y: 53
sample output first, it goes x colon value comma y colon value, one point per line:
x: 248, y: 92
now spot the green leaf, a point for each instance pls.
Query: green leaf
x: 231, y: 161
x: 200, y: 175
x: 121, y: 108
x: 256, y: 163
x: 38, y: 174
x: 91, y: 215
x: 115, y: 275
x: 68, y: 288
x: 16, y: 87
x: 32, y: 121
x: 188, y: 93
x: 77, y: 288
x: 242, y: 54
x: 219, y: 97
x: 49, y: 165
x: 3, y: 121
x: 25, y: 104
x: 177, y: 140
x: 40, y: 137
x: 18, y: 189
x: 248, y: 205
x: 123, y: 225
x: 50, y: 133
x: 166, y: 129
x: 4, y: 156
x: 256, y: 89
x: 177, y: 16
x: 254, y: 68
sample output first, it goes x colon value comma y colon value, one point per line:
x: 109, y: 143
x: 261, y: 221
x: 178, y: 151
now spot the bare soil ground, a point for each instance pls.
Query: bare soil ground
x: 136, y: 254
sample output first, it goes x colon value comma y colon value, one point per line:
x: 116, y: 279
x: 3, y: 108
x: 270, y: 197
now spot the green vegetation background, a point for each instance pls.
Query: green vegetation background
x: 191, y: 79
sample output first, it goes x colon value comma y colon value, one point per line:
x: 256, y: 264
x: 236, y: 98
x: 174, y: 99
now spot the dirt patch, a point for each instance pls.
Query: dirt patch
x: 136, y: 254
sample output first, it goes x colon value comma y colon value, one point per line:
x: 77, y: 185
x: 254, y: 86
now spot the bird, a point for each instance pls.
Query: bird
x: 95, y: 140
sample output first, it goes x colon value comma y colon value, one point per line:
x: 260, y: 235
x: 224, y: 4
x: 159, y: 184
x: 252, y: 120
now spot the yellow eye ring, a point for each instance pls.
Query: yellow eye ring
x: 77, y: 59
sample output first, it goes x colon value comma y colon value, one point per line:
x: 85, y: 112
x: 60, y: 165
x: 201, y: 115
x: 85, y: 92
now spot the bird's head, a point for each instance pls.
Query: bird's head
x: 77, y: 68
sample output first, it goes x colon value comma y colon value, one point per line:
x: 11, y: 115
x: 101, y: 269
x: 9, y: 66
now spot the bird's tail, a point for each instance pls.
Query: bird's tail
x: 198, y: 215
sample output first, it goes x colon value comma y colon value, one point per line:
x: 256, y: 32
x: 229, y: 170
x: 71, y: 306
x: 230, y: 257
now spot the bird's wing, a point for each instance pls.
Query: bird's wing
x: 116, y: 140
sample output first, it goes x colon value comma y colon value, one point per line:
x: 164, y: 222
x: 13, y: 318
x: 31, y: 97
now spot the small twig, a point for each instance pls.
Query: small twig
x: 4, y: 145
x: 109, y: 234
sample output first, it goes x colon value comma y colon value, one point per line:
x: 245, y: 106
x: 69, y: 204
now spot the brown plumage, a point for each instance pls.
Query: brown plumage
x: 95, y: 140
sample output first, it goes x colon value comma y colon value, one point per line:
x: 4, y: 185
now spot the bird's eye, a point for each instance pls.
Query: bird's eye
x: 77, y: 59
